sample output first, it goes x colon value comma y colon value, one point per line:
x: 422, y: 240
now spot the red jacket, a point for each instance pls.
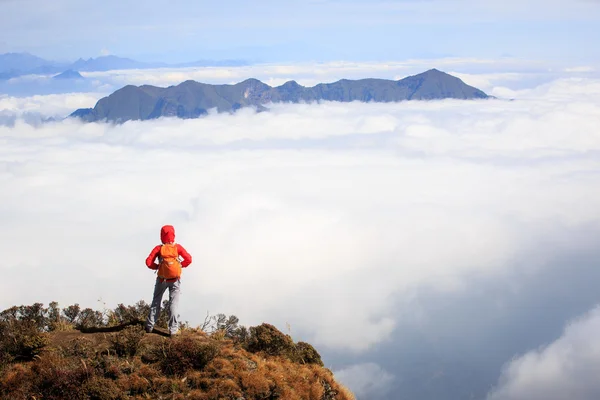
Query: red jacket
x: 167, y: 235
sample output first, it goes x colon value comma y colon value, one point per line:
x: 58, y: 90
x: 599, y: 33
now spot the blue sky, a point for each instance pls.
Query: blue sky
x: 317, y: 30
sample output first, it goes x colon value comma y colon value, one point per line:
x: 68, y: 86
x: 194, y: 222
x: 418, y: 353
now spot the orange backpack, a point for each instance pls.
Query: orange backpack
x: 169, y: 266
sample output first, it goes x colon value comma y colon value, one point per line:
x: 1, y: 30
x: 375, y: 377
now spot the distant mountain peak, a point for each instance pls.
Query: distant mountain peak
x: 251, y: 81
x: 69, y: 74
x: 434, y: 72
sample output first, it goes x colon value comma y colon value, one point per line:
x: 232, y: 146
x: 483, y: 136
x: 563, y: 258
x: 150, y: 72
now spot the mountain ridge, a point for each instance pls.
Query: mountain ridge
x: 191, y: 99
x: 13, y: 65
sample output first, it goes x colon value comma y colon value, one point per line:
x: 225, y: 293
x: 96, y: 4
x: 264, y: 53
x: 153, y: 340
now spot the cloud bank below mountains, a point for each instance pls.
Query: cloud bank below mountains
x: 371, y: 229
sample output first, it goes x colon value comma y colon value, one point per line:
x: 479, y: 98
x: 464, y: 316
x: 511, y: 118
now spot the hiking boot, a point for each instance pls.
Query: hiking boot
x: 149, y: 330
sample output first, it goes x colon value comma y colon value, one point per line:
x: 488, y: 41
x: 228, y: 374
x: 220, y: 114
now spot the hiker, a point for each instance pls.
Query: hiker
x: 165, y: 259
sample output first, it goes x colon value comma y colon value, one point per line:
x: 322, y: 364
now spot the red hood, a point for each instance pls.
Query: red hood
x: 167, y: 234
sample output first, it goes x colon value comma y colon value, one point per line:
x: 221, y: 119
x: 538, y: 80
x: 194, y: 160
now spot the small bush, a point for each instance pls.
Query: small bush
x: 71, y: 313
x: 22, y: 332
x: 134, y: 384
x: 89, y: 318
x: 267, y: 339
x: 240, y: 335
x: 222, y: 324
x: 123, y: 314
x: 30, y: 344
x: 305, y: 353
x: 127, y: 342
x: 107, y: 366
x: 15, y: 381
x: 99, y: 388
x: 21, y: 340
x: 183, y: 354
x: 79, y: 347
x: 59, y: 378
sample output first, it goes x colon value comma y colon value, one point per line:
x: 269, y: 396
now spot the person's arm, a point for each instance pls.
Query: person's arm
x: 187, y: 258
x: 150, y: 260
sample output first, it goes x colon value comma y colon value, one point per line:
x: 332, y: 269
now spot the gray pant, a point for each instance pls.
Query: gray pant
x: 159, y: 290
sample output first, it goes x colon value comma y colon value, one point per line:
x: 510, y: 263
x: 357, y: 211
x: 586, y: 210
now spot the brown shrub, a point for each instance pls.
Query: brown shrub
x: 198, y: 395
x: 133, y: 384
x: 21, y: 340
x: 71, y: 313
x: 267, y: 339
x: 79, y: 347
x: 166, y: 385
x: 182, y: 354
x: 15, y: 381
x: 124, y: 314
x: 161, y: 384
x: 221, y: 368
x: 148, y: 372
x: 198, y: 380
x: 99, y: 388
x: 29, y: 345
x: 255, y: 385
x: 89, y: 318
x: 107, y: 366
x: 127, y: 342
x: 54, y: 377
x: 224, y: 389
x: 152, y: 353
x: 304, y: 353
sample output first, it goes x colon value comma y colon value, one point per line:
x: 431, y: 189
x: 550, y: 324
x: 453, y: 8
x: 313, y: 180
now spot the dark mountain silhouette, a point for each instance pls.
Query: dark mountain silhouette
x: 192, y: 99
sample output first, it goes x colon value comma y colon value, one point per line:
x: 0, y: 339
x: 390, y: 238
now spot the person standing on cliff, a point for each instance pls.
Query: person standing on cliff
x: 168, y: 259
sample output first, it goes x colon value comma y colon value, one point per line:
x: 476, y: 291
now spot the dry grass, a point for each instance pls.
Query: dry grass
x: 192, y: 365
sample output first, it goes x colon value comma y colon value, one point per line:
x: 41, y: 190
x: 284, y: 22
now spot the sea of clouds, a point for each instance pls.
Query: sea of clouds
x: 444, y: 248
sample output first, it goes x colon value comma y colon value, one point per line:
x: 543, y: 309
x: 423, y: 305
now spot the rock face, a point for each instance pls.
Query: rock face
x: 192, y: 99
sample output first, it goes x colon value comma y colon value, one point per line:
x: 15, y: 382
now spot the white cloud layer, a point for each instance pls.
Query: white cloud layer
x: 307, y: 74
x: 566, y: 369
x: 315, y: 215
x: 48, y: 105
